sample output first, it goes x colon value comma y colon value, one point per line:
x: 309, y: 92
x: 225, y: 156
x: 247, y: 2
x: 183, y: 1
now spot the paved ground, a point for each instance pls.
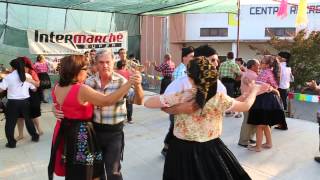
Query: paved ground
x: 290, y: 158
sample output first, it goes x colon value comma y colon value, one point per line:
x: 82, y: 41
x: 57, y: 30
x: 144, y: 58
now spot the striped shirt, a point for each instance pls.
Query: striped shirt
x: 116, y: 113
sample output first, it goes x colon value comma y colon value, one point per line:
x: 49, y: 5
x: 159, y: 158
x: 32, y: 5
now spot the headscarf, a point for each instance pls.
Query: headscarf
x: 205, y: 76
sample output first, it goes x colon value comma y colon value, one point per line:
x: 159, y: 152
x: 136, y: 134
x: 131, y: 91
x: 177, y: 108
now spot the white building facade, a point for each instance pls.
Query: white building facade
x: 257, y: 22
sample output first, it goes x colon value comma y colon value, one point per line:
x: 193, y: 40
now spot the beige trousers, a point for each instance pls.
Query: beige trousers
x: 247, y: 130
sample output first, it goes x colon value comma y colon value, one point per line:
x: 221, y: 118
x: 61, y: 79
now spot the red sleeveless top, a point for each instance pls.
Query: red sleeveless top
x: 71, y: 107
x: 72, y: 110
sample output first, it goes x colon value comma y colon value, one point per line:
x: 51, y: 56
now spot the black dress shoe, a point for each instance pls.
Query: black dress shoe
x: 10, y: 145
x: 35, y: 138
x: 251, y: 141
x: 243, y: 145
x: 317, y: 159
x: 281, y: 128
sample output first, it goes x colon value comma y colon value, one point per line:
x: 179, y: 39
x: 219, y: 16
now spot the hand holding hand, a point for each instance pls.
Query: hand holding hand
x: 2, y: 75
x: 139, y: 68
x: 30, y: 80
x: 135, y: 78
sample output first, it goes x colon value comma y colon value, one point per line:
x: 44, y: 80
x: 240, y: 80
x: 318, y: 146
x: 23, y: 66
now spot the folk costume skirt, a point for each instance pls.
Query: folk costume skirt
x: 75, y: 152
x: 211, y: 160
x: 266, y: 110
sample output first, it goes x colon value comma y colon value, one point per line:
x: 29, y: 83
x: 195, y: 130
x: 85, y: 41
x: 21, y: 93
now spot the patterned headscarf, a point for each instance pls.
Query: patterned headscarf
x: 203, y: 73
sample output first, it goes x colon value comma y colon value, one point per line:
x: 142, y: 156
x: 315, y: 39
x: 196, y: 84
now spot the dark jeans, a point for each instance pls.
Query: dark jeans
x: 230, y: 85
x: 129, y: 107
x: 112, y: 144
x: 164, y: 84
x: 284, y: 95
x: 169, y: 135
x: 14, y: 109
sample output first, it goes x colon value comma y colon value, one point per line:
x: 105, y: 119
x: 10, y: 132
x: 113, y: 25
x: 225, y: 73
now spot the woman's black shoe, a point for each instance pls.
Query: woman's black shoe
x: 10, y: 145
x: 281, y: 128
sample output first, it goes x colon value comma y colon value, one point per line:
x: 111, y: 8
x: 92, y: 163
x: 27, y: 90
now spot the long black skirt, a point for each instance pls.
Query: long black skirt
x: 210, y: 160
x: 266, y: 110
x: 35, y: 104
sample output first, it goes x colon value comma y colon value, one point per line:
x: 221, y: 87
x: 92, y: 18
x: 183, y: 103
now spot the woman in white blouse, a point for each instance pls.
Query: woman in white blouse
x: 196, y: 152
x: 17, y: 87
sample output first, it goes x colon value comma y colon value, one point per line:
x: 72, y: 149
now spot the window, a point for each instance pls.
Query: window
x: 280, y: 32
x: 205, y: 32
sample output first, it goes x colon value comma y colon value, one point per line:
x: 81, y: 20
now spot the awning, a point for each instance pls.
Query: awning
x: 150, y: 7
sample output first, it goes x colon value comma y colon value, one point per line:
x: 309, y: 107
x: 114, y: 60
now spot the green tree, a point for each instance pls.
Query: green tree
x: 305, y: 55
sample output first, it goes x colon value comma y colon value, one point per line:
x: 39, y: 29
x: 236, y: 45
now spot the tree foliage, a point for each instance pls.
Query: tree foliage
x: 305, y: 55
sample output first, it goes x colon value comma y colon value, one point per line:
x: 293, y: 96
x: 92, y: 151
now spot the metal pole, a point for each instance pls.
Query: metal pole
x: 65, y: 20
x: 238, y: 29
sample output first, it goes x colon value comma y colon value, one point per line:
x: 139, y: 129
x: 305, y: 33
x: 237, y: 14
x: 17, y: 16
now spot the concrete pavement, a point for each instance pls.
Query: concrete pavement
x: 290, y: 158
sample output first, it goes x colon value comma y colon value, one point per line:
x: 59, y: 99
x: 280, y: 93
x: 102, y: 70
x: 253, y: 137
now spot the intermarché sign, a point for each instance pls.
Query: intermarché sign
x: 74, y: 42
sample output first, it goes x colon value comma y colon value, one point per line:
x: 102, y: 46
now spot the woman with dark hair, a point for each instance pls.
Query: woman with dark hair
x: 196, y: 151
x: 35, y: 110
x: 42, y: 68
x: 267, y: 110
x: 75, y: 153
x: 17, y: 86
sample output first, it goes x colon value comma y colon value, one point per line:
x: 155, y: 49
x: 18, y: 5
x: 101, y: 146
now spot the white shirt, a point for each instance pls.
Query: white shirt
x: 284, y: 76
x: 183, y: 83
x: 16, y: 89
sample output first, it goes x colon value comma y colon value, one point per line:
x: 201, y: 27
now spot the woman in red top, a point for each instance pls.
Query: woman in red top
x: 74, y: 152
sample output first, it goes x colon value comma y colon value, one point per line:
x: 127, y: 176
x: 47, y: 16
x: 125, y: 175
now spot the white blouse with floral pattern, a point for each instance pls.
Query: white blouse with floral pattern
x: 204, y: 124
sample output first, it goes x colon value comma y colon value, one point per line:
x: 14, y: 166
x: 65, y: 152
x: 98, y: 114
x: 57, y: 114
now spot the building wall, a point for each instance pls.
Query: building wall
x: 253, y: 21
x: 154, y: 42
x: 184, y: 30
x: 245, y: 52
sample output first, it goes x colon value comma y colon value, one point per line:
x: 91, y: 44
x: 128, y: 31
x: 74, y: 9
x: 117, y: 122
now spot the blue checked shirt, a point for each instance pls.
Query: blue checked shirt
x: 113, y: 114
x: 180, y: 71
